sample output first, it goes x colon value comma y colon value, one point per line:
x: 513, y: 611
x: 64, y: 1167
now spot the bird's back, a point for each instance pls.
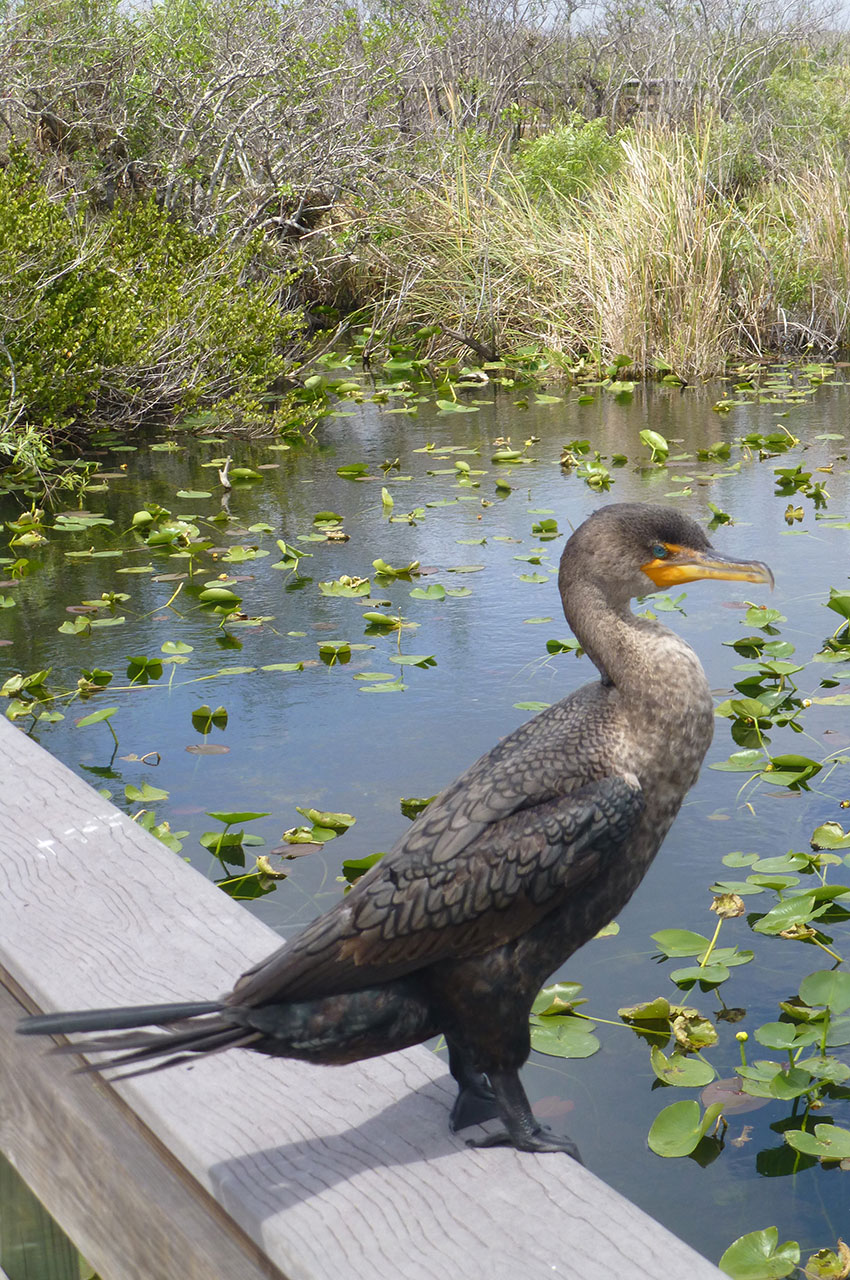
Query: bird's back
x: 483, y: 863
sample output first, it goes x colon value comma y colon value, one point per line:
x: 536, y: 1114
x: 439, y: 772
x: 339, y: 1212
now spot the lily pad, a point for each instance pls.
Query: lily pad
x: 829, y: 987
x: 679, y: 1128
x: 828, y: 1142
x: 563, y: 1037
x: 759, y: 1256
x: 680, y: 1069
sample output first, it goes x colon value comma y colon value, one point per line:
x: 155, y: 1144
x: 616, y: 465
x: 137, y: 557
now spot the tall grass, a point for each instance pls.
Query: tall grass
x: 653, y: 260
x: 804, y: 229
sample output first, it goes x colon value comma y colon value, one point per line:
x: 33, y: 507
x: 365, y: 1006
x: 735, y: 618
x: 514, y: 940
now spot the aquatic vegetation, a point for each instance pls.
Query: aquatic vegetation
x: 135, y: 596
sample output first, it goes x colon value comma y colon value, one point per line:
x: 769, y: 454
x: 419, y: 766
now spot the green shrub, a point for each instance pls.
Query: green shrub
x: 571, y: 159
x: 808, y: 105
x: 123, y: 316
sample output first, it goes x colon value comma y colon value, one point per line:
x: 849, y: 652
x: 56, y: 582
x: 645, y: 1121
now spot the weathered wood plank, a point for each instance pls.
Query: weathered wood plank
x: 123, y: 1200
x: 346, y: 1171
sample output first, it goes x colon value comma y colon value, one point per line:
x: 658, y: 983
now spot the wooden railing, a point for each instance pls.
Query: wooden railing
x: 239, y: 1166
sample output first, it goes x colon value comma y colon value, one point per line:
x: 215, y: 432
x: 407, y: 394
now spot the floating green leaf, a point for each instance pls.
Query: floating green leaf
x: 563, y: 1036
x: 452, y: 406
x: 557, y: 998
x: 563, y: 646
x: 336, y: 822
x: 241, y: 554
x: 679, y: 942
x: 828, y: 1142
x: 346, y: 586
x: 354, y: 868
x: 708, y: 976
x: 680, y: 1069
x: 247, y: 815
x: 827, y: 1264
x: 412, y: 806
x: 385, y: 570
x: 791, y: 911
x: 839, y: 602
x: 830, y: 835
x: 96, y: 717
x: 145, y: 793
x: 219, y: 597
x: 679, y: 1128
x: 656, y: 443
x: 204, y: 718
x: 333, y: 651
x: 749, y: 761
x: 141, y: 669
x: 828, y: 987
x: 790, y: 771
x: 388, y: 686
x: 759, y: 1256
x: 785, y: 1035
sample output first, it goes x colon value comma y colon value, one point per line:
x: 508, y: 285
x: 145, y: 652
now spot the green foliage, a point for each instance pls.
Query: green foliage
x: 810, y: 93
x: 760, y: 1256
x: 120, y: 316
x: 571, y: 159
x: 555, y: 1030
x: 733, y: 159
x: 679, y: 1128
x: 677, y: 238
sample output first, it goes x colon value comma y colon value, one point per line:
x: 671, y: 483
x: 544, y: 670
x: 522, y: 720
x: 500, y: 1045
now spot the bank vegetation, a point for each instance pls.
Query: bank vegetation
x: 195, y: 195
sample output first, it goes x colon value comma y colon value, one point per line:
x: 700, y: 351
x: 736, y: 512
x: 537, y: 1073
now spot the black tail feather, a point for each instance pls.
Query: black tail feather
x: 333, y: 1029
x: 145, y: 1015
x: 172, y: 1047
x: 248, y: 1041
x: 136, y: 1041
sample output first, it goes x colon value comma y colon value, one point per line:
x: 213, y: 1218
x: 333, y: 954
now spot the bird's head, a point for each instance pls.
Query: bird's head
x: 630, y: 549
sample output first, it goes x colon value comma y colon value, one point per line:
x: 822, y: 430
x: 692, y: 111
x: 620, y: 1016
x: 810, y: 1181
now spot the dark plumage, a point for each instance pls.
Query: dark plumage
x: 509, y: 870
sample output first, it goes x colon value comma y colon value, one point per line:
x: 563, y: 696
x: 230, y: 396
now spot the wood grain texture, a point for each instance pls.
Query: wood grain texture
x: 346, y: 1171
x: 123, y: 1200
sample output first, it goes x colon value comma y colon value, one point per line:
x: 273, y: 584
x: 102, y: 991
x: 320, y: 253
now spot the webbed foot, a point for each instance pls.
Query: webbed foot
x: 541, y: 1139
x: 521, y: 1128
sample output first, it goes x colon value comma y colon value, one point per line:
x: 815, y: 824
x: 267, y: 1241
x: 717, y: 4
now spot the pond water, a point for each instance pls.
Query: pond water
x: 332, y: 737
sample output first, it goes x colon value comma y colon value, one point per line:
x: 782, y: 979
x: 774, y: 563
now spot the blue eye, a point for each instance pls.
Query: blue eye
x: 660, y: 551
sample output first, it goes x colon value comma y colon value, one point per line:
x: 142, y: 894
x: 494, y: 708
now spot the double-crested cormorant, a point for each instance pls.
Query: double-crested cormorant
x: 509, y: 870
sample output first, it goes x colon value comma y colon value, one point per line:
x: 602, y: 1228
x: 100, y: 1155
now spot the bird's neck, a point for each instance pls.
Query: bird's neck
x: 644, y: 660
x: 660, y: 696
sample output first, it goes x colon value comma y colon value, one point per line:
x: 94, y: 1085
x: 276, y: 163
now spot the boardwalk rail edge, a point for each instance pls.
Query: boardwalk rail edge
x: 239, y: 1167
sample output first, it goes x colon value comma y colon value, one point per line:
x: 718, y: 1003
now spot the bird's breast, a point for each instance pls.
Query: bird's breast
x: 670, y: 729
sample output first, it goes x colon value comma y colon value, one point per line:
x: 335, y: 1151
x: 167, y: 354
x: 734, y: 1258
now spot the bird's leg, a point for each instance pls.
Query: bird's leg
x: 476, y: 1101
x: 521, y: 1129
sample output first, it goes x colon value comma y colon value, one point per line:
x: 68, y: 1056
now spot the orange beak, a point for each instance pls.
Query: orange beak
x: 686, y: 565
